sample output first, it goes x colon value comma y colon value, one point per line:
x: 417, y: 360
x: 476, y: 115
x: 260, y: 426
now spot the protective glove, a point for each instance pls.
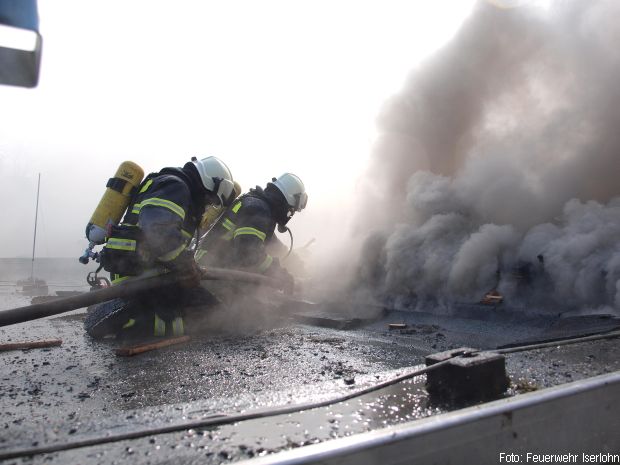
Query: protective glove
x: 187, y: 268
x: 281, y: 274
x: 194, y: 275
x: 286, y: 279
x: 288, y: 282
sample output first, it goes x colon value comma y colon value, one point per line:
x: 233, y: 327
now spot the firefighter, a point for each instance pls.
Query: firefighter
x: 243, y: 234
x: 153, y: 238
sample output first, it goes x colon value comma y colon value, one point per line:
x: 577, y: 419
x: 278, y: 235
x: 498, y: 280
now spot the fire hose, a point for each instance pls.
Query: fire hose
x: 123, y: 290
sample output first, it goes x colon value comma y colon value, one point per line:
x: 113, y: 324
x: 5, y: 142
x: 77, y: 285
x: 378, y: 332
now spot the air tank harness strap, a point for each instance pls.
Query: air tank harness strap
x: 118, y: 185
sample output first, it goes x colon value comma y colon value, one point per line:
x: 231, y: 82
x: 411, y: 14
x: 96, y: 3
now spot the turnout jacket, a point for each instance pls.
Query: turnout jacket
x: 240, y: 236
x: 159, y: 223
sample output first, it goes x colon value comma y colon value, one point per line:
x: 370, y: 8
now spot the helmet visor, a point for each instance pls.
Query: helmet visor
x: 301, y: 200
x: 224, y: 191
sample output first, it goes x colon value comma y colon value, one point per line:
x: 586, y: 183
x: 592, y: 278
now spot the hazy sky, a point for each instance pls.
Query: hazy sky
x: 268, y: 86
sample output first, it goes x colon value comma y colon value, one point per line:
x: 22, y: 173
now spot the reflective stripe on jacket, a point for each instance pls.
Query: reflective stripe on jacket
x: 238, y: 238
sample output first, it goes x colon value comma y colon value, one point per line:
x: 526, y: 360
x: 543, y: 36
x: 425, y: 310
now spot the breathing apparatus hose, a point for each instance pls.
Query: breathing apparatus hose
x: 291, y: 247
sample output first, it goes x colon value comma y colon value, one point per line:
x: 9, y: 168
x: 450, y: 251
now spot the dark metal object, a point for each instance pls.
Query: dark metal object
x: 325, y: 321
x: 469, y: 378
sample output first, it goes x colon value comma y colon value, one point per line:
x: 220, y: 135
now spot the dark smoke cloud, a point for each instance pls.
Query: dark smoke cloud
x: 502, y: 147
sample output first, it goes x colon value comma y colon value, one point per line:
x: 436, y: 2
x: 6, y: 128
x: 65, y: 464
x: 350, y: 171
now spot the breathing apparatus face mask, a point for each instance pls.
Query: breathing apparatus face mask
x: 282, y: 224
x: 222, y: 191
x: 282, y: 228
x: 300, y: 204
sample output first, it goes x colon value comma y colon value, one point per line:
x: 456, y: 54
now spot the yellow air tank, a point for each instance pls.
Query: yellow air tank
x: 213, y: 212
x: 114, y: 201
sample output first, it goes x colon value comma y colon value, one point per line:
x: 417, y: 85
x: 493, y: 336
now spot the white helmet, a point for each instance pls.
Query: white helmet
x: 293, y: 190
x: 216, y: 177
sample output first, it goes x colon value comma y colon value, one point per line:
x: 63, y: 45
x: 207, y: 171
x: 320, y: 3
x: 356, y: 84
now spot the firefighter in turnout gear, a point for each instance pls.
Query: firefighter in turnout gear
x: 241, y: 237
x: 153, y: 238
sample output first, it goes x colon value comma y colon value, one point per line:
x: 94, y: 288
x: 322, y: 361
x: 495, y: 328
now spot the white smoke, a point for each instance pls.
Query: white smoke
x: 500, y: 160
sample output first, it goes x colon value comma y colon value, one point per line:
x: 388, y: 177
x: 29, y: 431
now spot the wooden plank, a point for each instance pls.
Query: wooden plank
x: 30, y: 344
x: 139, y: 349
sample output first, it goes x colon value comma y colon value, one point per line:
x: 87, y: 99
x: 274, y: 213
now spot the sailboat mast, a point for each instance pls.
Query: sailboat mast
x: 34, y: 239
